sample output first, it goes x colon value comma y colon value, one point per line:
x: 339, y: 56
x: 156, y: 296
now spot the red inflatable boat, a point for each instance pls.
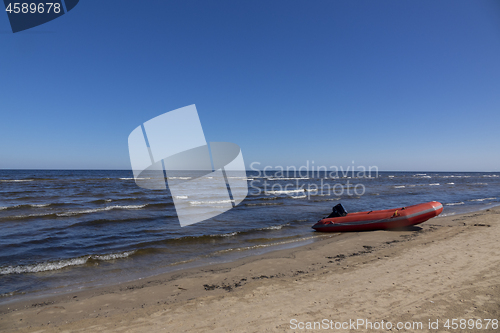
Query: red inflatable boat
x: 381, y: 219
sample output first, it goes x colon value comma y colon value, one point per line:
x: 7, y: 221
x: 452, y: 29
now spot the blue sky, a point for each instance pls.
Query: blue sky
x: 402, y: 85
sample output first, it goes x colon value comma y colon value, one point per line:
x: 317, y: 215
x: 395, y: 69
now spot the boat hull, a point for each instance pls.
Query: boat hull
x: 381, y: 219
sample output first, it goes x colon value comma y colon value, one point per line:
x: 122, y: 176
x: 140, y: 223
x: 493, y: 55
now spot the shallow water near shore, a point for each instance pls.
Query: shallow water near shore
x: 67, y: 230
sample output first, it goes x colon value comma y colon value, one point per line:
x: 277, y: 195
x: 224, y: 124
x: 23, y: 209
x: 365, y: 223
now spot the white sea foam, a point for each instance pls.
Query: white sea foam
x: 483, y: 199
x: 420, y: 174
x: 450, y: 183
x: 133, y: 178
x: 390, y: 176
x: 447, y: 214
x: 26, y: 205
x: 112, y: 256
x: 298, y: 196
x: 399, y: 186
x: 96, y: 210
x: 55, y: 265
x: 181, y: 196
x: 225, y: 235
x: 284, y: 192
x: 12, y: 293
x: 274, y: 227
x: 435, y: 184
x: 454, y: 203
x: 184, y: 178
x: 29, y: 215
x: 16, y: 180
x: 42, y: 267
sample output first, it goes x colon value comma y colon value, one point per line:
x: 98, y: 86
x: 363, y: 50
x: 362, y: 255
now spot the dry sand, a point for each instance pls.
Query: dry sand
x: 447, y: 268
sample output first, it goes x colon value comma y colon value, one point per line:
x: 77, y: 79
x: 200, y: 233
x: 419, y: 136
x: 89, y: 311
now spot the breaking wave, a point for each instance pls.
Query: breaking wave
x: 60, y: 264
x: 28, y: 206
x: 483, y: 199
x: 103, y: 209
x: 284, y: 192
x: 16, y: 180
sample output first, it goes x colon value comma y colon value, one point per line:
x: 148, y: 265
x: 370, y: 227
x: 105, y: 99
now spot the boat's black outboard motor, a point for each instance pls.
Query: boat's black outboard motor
x: 337, y: 211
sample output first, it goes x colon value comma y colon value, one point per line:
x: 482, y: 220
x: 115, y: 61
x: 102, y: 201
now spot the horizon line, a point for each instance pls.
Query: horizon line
x: 262, y: 170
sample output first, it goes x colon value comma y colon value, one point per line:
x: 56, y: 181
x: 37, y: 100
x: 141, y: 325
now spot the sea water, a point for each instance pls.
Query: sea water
x: 68, y: 230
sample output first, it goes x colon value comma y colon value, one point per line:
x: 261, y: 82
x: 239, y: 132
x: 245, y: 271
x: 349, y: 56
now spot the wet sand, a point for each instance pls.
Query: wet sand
x: 445, y: 268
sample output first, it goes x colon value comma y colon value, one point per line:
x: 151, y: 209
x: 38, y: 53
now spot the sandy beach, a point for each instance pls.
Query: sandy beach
x: 445, y: 268
x: 173, y: 166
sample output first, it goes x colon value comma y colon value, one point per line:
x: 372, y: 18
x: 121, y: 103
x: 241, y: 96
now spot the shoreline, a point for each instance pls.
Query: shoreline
x: 204, y: 261
x: 340, y: 255
x: 207, y: 261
